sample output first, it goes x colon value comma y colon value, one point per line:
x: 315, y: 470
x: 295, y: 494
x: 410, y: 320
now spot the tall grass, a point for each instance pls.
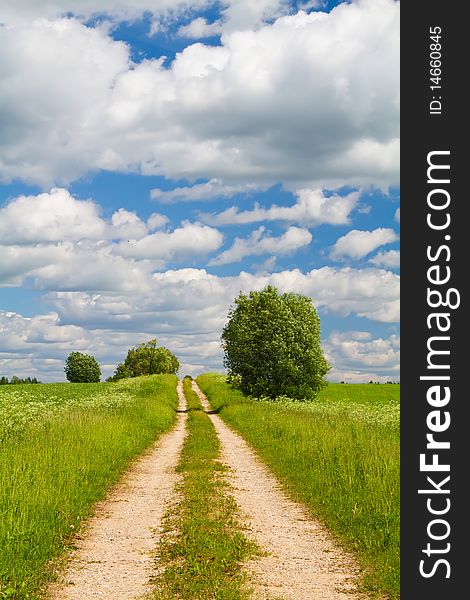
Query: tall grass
x: 62, y: 446
x: 203, y: 546
x: 339, y: 455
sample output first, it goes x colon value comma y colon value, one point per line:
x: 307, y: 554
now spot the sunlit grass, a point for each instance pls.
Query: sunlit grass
x: 62, y: 446
x: 339, y: 455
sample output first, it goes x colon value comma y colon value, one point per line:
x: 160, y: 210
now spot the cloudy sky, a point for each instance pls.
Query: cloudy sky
x: 159, y: 156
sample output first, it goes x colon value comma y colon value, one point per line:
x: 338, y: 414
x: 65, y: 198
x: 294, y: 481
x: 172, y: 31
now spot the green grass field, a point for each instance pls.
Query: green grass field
x: 62, y: 446
x: 339, y: 455
x: 203, y: 546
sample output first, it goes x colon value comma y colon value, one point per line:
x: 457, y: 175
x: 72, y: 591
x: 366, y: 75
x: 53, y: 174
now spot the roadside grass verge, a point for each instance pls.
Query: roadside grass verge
x: 203, y: 546
x: 62, y: 447
x: 338, y: 455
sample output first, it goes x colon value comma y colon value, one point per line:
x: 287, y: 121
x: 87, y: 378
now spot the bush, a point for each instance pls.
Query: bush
x: 272, y: 345
x: 82, y: 368
x: 146, y: 359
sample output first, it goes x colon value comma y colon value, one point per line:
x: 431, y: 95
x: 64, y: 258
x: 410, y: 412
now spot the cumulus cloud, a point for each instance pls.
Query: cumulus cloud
x: 57, y: 216
x: 397, y: 215
x: 357, y: 244
x: 192, y: 239
x: 390, y: 259
x: 311, y: 208
x: 157, y: 221
x: 50, y: 217
x: 63, y: 243
x: 27, y: 10
x: 235, y: 14
x: 260, y: 242
x: 210, y: 190
x: 251, y: 110
x: 200, y: 28
x: 19, y: 261
x: 357, y: 356
x: 184, y: 299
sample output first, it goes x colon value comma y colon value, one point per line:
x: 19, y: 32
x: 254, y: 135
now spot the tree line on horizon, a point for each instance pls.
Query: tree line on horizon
x: 17, y: 380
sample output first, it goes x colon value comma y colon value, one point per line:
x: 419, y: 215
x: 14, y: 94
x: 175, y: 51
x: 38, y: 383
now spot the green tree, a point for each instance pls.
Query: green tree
x: 82, y: 368
x: 272, y: 345
x: 146, y: 359
x: 121, y: 372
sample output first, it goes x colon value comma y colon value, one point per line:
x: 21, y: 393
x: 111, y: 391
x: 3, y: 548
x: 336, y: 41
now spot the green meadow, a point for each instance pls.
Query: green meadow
x: 61, y: 447
x: 338, y: 455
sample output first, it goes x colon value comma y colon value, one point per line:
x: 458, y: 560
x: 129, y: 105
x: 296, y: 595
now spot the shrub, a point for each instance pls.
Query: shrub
x: 82, y: 368
x: 146, y: 359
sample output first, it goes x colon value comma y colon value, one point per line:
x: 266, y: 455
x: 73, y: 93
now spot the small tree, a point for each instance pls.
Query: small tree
x: 272, y: 345
x: 82, y: 368
x: 146, y: 359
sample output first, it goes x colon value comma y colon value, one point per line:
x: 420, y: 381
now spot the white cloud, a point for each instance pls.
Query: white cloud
x: 360, y: 376
x: 390, y: 259
x: 26, y: 10
x: 357, y: 244
x: 210, y: 190
x: 63, y: 243
x: 20, y: 261
x: 188, y: 300
x: 157, y: 221
x: 356, y: 356
x: 311, y: 208
x: 236, y: 14
x: 57, y: 216
x: 397, y: 215
x: 200, y: 28
x: 192, y: 239
x: 127, y: 224
x: 261, y: 242
x: 50, y: 217
x: 267, y: 266
x: 310, y: 100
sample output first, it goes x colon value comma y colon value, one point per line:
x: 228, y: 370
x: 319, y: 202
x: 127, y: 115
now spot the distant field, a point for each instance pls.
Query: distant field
x: 61, y: 447
x: 339, y: 455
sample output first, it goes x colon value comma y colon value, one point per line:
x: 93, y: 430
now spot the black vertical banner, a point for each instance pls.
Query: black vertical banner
x: 435, y: 365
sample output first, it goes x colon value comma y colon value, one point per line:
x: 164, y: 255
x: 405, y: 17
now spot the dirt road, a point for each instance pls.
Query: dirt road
x: 113, y: 556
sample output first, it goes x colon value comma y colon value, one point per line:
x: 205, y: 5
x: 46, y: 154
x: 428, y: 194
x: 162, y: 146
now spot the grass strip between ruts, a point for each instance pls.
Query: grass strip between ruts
x: 203, y: 545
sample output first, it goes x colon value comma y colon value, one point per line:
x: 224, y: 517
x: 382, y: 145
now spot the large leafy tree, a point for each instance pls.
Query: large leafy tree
x: 82, y: 368
x: 147, y: 359
x: 272, y: 345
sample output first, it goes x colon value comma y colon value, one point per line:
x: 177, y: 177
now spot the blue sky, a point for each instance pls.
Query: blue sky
x: 157, y: 157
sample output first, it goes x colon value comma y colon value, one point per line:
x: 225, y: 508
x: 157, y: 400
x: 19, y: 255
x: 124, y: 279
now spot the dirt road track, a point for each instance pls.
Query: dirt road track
x: 113, y: 556
x: 303, y: 562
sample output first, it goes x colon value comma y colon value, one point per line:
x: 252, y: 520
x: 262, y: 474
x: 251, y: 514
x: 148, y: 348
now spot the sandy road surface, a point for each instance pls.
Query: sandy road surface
x: 113, y: 556
x: 303, y: 562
